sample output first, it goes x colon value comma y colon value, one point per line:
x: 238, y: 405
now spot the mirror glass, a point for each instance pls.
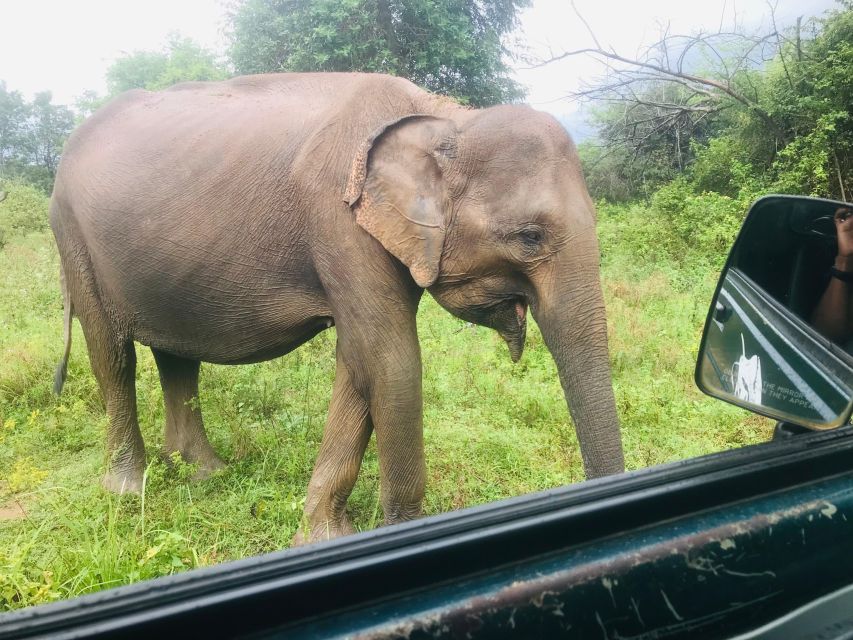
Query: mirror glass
x: 779, y: 335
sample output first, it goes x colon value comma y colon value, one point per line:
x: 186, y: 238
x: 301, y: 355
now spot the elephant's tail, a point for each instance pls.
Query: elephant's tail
x: 62, y: 367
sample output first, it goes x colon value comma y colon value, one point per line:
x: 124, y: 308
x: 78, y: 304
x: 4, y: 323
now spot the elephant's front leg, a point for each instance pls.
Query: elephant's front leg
x: 377, y: 387
x: 389, y: 366
x: 345, y: 438
x: 396, y: 408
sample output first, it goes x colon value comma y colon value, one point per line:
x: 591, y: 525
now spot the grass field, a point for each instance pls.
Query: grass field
x: 492, y: 429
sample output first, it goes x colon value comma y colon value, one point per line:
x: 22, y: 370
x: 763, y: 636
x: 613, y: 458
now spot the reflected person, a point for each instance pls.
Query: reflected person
x: 833, y: 316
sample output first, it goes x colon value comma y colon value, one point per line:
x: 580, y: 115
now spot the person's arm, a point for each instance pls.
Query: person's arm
x: 833, y: 316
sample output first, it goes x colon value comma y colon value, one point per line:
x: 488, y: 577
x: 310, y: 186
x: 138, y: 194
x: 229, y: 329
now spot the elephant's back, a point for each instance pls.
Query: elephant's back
x: 251, y: 157
x: 260, y: 114
x: 230, y: 142
x: 164, y: 178
x: 190, y: 130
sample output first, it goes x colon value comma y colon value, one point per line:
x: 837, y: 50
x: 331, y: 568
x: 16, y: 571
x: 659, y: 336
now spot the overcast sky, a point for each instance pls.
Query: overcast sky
x: 66, y: 46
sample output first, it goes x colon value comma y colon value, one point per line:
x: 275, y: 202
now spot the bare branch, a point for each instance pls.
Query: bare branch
x: 772, y: 7
x: 710, y: 82
x: 586, y: 24
x: 669, y: 59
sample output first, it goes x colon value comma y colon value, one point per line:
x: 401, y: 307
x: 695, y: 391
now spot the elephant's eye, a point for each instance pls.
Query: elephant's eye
x: 531, y: 236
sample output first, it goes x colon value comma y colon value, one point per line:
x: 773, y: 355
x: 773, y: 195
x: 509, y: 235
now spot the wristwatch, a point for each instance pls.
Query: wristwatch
x: 844, y: 276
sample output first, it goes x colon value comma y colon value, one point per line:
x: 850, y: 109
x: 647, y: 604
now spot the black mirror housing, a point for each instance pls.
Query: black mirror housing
x: 760, y: 349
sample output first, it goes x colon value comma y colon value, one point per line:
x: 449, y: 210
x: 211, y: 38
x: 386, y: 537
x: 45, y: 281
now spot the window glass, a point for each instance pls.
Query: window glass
x: 210, y: 251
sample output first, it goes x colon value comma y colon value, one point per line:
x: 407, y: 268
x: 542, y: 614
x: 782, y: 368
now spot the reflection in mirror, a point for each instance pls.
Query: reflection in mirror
x: 779, y: 336
x: 833, y: 315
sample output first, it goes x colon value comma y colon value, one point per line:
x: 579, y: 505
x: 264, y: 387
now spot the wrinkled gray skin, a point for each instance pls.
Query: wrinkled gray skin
x: 231, y: 222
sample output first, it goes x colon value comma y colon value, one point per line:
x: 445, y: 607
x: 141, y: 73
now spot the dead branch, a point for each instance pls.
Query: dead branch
x: 672, y: 60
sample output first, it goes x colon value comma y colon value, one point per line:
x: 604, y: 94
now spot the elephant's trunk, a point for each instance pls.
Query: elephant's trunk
x: 570, y: 312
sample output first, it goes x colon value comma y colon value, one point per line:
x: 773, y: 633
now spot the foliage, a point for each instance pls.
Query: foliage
x: 609, y: 174
x: 455, y: 47
x: 22, y: 210
x: 24, y: 475
x: 181, y: 60
x: 87, y: 103
x: 14, y: 112
x: 811, y: 90
x: 690, y: 232
x: 781, y: 124
x: 723, y: 166
x: 31, y: 136
x: 705, y: 225
x: 805, y: 165
x: 49, y: 126
x: 647, y: 142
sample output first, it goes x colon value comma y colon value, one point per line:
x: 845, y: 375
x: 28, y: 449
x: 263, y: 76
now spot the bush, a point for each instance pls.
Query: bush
x: 677, y: 225
x: 23, y: 209
x: 805, y: 165
x: 702, y: 225
x: 722, y: 166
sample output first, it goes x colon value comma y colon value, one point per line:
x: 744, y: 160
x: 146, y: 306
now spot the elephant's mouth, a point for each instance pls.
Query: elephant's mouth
x: 510, y: 321
x: 505, y: 313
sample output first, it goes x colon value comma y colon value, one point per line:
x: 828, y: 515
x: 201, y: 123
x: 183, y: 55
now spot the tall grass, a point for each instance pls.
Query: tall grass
x: 492, y: 429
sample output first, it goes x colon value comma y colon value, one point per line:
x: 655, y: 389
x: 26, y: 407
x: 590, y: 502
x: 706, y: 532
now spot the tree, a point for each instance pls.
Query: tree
x: 647, y: 140
x: 454, y: 47
x: 810, y: 86
x: 771, y: 108
x: 31, y: 136
x: 707, y: 73
x: 49, y: 127
x: 180, y: 60
x: 87, y: 103
x: 14, y: 112
x: 137, y: 70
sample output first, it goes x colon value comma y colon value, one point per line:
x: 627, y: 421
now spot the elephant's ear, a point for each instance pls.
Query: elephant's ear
x: 398, y: 193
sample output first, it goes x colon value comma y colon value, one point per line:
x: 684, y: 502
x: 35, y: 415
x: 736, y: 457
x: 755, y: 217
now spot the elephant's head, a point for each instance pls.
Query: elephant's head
x: 489, y: 211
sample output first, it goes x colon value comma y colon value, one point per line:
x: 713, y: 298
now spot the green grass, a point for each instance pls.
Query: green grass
x: 492, y: 429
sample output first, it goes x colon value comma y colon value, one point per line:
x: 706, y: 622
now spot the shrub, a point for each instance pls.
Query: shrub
x: 804, y: 166
x: 677, y: 225
x: 702, y: 225
x: 23, y: 209
x: 722, y: 166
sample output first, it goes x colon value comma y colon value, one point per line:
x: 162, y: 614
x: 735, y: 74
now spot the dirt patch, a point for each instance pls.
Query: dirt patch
x: 12, y: 511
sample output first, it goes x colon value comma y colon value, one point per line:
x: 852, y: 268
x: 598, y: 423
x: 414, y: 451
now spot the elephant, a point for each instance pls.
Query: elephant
x: 230, y: 222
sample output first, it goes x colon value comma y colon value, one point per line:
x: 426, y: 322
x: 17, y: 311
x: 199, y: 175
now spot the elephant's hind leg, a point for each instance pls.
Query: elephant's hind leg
x: 184, y: 427
x: 114, y: 365
x: 111, y: 354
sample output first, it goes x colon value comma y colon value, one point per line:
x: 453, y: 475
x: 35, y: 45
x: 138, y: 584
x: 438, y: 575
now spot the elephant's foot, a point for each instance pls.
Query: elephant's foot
x: 203, y: 456
x: 323, y: 531
x: 121, y: 482
x: 207, y: 468
x: 402, y: 512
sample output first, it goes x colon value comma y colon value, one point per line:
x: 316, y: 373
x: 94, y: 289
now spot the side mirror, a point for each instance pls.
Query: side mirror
x: 761, y: 349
